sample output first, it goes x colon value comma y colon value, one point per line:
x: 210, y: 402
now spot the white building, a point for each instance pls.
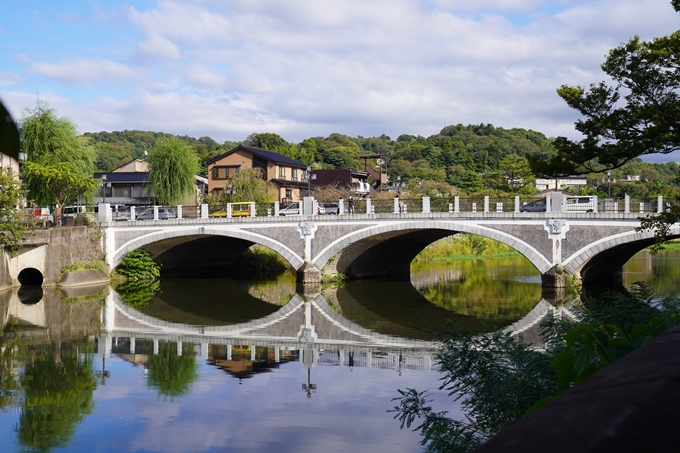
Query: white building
x: 561, y: 183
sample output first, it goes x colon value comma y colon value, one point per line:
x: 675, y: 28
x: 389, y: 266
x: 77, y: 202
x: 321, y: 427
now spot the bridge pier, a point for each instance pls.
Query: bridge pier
x: 308, y: 273
x: 559, y: 277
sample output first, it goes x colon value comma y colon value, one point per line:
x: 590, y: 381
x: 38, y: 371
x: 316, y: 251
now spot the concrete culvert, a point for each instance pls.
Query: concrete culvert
x: 30, y: 277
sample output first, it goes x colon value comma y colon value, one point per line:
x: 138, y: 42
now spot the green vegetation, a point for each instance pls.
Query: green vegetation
x: 58, y: 385
x: 139, y: 265
x: 636, y: 114
x: 258, y: 262
x: 12, y: 226
x: 138, y: 293
x: 498, y: 378
x: 249, y: 185
x: 172, y: 171
x: 172, y: 374
x: 58, y: 166
x: 464, y: 247
x: 91, y: 265
x: 459, y: 160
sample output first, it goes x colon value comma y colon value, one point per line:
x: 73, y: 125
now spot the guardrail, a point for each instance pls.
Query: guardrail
x: 401, y: 205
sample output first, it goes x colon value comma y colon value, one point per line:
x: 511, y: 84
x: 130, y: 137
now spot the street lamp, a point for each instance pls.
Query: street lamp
x: 308, y: 387
x: 309, y: 177
x: 399, y: 186
x: 230, y: 191
x: 609, y: 181
x: 104, y: 187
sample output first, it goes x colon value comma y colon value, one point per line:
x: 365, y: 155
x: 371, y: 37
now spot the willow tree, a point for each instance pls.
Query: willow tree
x: 49, y: 140
x: 173, y: 166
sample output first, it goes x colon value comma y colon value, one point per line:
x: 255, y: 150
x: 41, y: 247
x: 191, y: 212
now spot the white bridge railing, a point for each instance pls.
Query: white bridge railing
x: 396, y: 205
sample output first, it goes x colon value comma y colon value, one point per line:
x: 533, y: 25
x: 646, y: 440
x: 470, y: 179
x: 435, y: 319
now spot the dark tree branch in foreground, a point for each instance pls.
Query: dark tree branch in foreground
x: 637, y: 116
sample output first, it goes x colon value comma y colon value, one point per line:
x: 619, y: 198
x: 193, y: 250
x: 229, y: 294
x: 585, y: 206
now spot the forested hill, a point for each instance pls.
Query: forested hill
x: 444, y: 156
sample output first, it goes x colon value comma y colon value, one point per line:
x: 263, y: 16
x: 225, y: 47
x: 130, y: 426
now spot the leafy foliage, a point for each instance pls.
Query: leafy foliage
x: 498, y: 379
x: 660, y: 224
x: 61, y: 181
x: 12, y: 226
x: 139, y: 293
x: 56, y: 156
x: 638, y: 115
x: 172, y: 374
x: 495, y: 376
x: 249, y: 185
x: 139, y: 265
x: 58, y: 388
x: 172, y: 171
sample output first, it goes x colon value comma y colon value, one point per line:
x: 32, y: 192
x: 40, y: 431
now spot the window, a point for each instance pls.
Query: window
x: 289, y: 193
x: 282, y: 172
x: 220, y: 172
x: 295, y: 174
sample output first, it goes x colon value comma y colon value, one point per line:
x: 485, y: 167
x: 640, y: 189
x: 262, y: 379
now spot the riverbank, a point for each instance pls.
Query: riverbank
x: 464, y: 247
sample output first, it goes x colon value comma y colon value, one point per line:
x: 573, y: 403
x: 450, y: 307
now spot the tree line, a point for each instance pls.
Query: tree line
x: 472, y: 159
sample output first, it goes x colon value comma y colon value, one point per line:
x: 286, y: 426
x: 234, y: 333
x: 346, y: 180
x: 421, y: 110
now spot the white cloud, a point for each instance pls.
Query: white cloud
x: 308, y: 68
x: 10, y: 78
x: 83, y: 71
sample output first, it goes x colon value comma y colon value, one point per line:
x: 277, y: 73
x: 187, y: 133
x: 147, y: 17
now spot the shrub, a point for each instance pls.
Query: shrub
x: 139, y: 265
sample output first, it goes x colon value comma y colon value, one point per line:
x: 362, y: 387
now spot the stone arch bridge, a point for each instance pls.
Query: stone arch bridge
x: 590, y: 246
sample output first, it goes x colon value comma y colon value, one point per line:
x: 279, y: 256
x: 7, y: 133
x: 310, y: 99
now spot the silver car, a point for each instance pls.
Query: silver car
x: 163, y: 214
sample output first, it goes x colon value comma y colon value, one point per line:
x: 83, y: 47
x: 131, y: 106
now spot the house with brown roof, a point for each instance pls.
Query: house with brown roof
x: 284, y: 173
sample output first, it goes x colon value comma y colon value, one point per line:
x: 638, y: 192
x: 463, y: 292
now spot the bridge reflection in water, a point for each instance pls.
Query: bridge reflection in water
x: 306, y: 330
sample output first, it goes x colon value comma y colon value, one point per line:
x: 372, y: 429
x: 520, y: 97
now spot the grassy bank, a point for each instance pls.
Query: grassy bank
x: 462, y: 247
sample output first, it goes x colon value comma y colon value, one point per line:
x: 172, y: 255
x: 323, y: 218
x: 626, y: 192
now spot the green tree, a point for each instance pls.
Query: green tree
x: 111, y: 156
x: 513, y: 176
x: 172, y: 374
x: 499, y: 379
x: 249, y: 185
x: 51, y: 141
x: 61, y: 181
x: 12, y: 227
x: 637, y: 115
x: 58, y: 388
x: 172, y: 170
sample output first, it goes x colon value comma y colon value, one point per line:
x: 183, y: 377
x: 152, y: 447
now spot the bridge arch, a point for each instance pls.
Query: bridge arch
x: 601, y: 262
x: 248, y: 237
x: 388, y: 250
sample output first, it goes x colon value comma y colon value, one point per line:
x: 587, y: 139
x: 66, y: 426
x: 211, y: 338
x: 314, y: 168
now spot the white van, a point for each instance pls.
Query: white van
x: 579, y: 204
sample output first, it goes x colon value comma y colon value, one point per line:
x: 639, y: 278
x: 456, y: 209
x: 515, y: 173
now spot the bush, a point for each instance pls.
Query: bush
x: 139, y: 265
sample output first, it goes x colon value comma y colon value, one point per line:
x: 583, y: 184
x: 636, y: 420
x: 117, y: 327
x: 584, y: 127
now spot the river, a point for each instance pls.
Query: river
x: 221, y: 366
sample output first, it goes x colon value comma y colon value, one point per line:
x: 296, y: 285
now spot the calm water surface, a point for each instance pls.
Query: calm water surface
x: 85, y: 373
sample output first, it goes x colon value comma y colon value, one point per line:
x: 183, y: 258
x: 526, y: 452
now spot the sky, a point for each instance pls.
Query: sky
x: 306, y: 68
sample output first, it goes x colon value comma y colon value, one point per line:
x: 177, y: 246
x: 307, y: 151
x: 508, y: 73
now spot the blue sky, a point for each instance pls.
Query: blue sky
x: 303, y: 68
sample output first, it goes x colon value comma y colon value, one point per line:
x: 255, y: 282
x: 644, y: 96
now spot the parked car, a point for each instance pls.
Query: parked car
x: 292, y: 209
x: 220, y: 213
x: 329, y: 208
x: 580, y: 204
x: 534, y: 206
x: 163, y: 214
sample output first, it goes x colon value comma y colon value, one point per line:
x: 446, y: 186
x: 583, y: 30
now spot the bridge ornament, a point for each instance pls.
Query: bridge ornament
x: 556, y: 225
x: 307, y: 230
x: 557, y: 232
